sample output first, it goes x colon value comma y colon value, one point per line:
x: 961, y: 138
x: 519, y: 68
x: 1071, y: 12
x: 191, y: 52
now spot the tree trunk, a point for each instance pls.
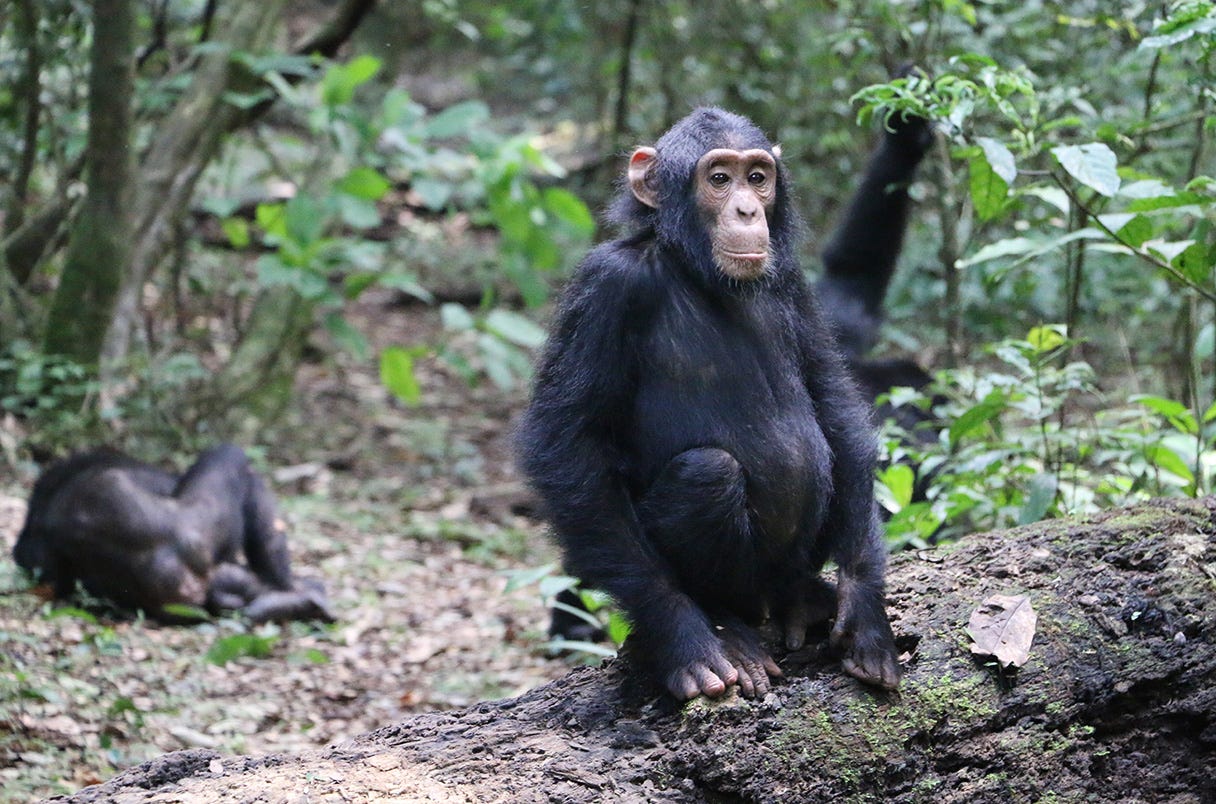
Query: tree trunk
x: 183, y: 146
x: 100, y: 246
x: 1116, y: 703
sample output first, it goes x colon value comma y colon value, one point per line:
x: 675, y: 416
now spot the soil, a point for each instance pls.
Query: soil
x: 1115, y: 702
x: 412, y: 518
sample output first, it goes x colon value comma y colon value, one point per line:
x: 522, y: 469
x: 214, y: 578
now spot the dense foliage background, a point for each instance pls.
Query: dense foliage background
x: 208, y: 205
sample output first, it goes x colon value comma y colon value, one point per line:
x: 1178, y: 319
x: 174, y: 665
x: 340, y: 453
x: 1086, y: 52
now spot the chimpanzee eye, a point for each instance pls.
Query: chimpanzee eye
x: 757, y: 178
x: 719, y: 179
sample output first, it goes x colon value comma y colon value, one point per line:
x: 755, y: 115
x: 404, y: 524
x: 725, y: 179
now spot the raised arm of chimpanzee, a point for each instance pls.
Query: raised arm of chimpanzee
x: 861, y: 256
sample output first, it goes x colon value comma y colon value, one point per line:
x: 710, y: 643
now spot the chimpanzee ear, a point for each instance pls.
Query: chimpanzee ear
x: 641, y: 180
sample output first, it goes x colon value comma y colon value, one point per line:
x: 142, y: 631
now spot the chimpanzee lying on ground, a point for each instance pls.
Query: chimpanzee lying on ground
x: 146, y: 539
x: 696, y: 435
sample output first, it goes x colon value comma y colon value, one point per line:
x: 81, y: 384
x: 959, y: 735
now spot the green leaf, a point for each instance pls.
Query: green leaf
x: 456, y: 318
x: 346, y: 335
x: 273, y: 272
x: 364, y: 182
x: 226, y: 649
x: 358, y: 213
x: 237, y: 232
x: 1093, y: 165
x: 271, y: 219
x: 515, y: 328
x: 1046, y: 338
x: 340, y: 82
x: 1176, y: 413
x: 897, y: 483
x: 457, y: 120
x: 1042, y: 495
x: 568, y: 207
x: 988, y: 189
x: 618, y: 628
x: 1166, y: 459
x: 304, y: 219
x: 397, y: 374
x: 978, y: 415
x: 434, y: 193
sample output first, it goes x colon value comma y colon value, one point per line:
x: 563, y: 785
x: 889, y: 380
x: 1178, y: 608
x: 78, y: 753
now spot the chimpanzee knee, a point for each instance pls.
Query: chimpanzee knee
x: 695, y: 514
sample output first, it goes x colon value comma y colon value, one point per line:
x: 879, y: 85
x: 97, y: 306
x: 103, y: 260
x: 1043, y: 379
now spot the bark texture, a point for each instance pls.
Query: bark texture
x: 100, y: 245
x: 1117, y: 703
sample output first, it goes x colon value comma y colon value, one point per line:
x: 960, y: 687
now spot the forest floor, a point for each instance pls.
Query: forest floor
x: 411, y: 518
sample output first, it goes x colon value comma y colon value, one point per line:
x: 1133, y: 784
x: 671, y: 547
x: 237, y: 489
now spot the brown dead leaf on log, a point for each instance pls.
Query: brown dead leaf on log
x: 1003, y: 627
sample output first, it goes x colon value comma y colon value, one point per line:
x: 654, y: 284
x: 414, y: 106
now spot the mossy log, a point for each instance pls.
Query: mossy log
x: 1116, y: 703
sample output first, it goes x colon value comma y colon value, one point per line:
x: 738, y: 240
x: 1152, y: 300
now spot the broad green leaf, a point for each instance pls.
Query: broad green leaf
x: 434, y: 193
x: 340, y: 82
x: 566, y: 206
x: 1195, y: 262
x: 1038, y: 502
x: 988, y: 189
x: 364, y: 182
x: 1046, y: 338
x: 237, y: 232
x: 977, y: 416
x: 1093, y: 165
x: 397, y: 374
x: 273, y: 272
x: 999, y: 158
x: 358, y: 213
x: 272, y: 220
x: 457, y: 120
x: 346, y: 335
x: 304, y: 219
x: 1171, y: 201
x: 226, y: 649
x: 1050, y: 195
x: 515, y: 328
x: 456, y: 318
x: 1009, y: 247
x: 898, y: 481
x: 1166, y: 249
x: 1176, y: 413
x: 1166, y: 459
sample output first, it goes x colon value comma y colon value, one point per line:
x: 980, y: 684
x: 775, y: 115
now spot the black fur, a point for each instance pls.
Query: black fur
x: 143, y: 538
x: 698, y: 443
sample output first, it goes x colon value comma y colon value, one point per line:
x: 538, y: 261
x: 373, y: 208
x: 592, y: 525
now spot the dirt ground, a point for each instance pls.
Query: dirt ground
x: 410, y: 516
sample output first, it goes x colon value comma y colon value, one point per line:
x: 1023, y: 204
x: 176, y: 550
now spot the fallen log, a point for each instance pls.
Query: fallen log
x: 1116, y: 702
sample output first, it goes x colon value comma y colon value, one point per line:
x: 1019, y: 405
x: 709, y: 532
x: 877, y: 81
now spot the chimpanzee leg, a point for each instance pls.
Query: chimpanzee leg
x: 695, y: 514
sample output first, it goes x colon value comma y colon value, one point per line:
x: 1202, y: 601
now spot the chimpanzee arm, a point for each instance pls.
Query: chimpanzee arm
x: 860, y: 258
x: 227, y: 502
x: 862, y: 630
x: 569, y: 447
x: 265, y: 541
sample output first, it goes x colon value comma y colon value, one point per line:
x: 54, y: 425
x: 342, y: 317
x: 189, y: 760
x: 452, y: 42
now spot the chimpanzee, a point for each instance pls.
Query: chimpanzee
x: 147, y: 539
x: 695, y: 436
x: 859, y: 262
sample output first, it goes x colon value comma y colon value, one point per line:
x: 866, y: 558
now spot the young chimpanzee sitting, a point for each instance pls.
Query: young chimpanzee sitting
x: 695, y: 435
x: 146, y: 539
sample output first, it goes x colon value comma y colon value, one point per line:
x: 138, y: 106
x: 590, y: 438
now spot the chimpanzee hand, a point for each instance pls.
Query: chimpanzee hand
x: 863, y: 637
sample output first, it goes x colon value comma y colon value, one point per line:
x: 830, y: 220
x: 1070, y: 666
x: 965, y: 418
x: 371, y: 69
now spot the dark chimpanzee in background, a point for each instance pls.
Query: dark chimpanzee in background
x: 146, y: 539
x: 695, y: 435
x: 860, y: 259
